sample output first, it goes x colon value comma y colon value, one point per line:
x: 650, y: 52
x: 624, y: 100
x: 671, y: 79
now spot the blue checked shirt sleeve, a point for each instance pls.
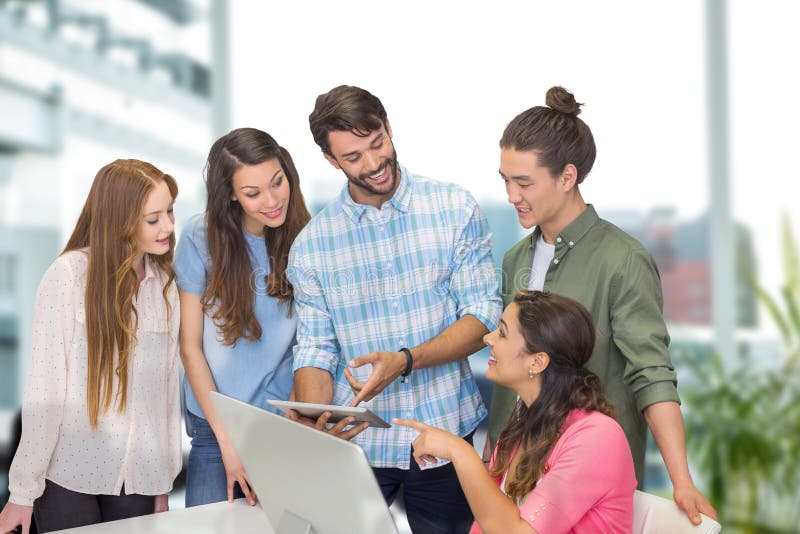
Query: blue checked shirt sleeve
x: 316, y: 338
x: 474, y: 280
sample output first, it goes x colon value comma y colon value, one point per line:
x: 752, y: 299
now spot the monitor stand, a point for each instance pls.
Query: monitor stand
x: 293, y: 524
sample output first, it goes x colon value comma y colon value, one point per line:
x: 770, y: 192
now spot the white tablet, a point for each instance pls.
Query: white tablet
x: 338, y: 413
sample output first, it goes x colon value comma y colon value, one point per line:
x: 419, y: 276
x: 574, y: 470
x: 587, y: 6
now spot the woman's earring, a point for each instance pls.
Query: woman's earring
x: 531, y: 373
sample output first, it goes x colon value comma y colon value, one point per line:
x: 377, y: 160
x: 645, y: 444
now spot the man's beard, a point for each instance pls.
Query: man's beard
x: 362, y: 183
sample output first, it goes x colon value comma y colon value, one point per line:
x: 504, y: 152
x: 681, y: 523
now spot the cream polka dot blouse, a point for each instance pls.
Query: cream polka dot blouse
x: 140, y: 447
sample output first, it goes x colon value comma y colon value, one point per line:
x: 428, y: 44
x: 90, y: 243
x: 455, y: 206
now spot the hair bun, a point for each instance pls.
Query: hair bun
x: 562, y: 100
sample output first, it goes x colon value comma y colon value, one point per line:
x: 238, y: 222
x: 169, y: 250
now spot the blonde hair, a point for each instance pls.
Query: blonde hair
x: 107, y: 225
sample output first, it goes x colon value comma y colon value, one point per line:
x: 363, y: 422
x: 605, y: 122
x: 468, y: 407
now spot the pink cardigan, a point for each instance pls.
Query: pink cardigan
x: 590, y: 482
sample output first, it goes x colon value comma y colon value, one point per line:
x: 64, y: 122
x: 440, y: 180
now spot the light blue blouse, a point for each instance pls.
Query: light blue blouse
x: 251, y: 371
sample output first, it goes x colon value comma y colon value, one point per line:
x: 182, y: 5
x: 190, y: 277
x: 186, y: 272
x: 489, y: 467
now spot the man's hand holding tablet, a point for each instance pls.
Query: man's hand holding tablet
x: 347, y: 422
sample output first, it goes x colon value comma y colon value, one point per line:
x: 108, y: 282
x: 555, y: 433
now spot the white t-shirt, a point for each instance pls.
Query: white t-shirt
x: 542, y: 256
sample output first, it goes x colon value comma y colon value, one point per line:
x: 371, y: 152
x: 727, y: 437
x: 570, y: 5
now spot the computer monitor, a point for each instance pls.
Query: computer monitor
x: 307, y: 481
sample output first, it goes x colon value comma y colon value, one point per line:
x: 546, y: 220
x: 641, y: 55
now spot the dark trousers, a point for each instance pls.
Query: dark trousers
x: 433, y: 498
x: 59, y: 508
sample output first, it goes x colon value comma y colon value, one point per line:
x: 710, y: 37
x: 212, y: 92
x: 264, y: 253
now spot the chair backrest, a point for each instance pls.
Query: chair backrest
x: 656, y: 515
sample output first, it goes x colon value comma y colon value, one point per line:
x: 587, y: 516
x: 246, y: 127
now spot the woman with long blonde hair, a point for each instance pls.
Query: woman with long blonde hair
x: 101, y: 409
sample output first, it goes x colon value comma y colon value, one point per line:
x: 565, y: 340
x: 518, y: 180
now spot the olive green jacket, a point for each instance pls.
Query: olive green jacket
x: 616, y: 279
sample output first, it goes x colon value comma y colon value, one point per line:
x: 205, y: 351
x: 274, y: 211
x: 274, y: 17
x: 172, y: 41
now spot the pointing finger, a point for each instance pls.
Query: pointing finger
x: 361, y: 360
x: 355, y: 385
x: 367, y: 391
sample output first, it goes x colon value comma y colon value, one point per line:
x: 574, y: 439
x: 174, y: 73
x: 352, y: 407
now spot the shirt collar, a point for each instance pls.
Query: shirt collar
x: 149, y: 270
x: 401, y: 200
x: 575, y: 230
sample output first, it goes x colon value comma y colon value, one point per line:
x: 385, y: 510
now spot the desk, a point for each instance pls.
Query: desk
x: 216, y: 518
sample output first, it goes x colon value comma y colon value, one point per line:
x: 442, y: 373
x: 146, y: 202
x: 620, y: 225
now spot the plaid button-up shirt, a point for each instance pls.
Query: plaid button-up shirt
x: 367, y: 280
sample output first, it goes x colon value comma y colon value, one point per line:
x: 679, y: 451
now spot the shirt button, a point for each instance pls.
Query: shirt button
x: 408, y: 414
x: 572, y: 243
x: 558, y: 240
x: 394, y: 304
x: 555, y: 261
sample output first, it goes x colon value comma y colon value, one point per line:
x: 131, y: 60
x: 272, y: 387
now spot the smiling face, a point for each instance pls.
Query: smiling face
x: 369, y: 162
x: 510, y: 365
x: 263, y: 192
x: 157, y: 222
x: 537, y: 195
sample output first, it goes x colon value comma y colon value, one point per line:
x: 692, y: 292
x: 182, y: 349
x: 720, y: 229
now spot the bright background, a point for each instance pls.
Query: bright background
x: 147, y: 79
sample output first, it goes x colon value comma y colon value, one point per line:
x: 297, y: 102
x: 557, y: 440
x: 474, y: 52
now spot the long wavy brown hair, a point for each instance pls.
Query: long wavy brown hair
x: 564, y: 330
x: 228, y: 297
x: 108, y: 226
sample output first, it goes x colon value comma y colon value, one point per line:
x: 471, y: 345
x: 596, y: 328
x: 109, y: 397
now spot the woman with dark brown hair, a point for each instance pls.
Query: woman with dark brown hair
x: 562, y: 464
x: 101, y: 410
x: 237, y: 326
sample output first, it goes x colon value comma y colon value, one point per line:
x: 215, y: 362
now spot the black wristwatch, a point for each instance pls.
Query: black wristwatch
x: 409, y: 365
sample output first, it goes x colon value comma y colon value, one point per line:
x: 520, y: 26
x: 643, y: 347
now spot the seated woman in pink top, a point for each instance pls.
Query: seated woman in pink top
x: 562, y: 464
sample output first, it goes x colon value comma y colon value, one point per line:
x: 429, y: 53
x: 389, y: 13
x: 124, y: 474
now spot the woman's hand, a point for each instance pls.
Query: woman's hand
x: 234, y: 472
x: 162, y: 503
x: 433, y: 442
x: 14, y: 515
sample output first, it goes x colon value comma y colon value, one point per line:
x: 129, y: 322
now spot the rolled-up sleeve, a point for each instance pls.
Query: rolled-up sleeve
x: 475, y: 280
x: 317, y: 345
x: 53, y: 326
x: 640, y: 332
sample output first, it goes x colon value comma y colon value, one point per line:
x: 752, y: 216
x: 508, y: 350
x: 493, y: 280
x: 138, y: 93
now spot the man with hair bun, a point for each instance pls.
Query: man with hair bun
x: 546, y: 153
